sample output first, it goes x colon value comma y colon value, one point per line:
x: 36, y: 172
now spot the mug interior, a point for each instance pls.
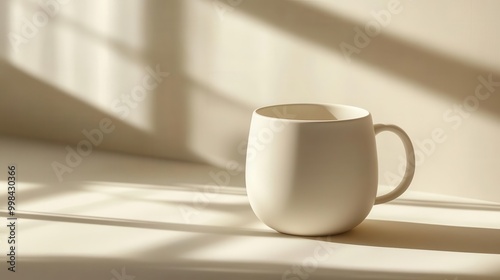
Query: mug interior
x: 313, y: 112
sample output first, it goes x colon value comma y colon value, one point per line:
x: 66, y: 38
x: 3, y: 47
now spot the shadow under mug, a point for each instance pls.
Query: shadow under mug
x: 311, y: 169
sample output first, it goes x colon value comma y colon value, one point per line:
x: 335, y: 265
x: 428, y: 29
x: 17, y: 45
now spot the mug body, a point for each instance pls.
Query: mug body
x: 311, y: 168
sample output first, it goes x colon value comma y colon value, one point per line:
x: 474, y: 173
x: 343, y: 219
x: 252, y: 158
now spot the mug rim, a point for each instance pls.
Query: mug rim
x: 363, y: 112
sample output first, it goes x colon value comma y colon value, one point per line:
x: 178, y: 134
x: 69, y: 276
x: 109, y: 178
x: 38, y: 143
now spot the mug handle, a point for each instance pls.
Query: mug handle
x: 410, y: 162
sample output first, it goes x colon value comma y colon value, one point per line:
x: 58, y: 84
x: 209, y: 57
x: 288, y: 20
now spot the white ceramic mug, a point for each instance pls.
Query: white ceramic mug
x: 312, y: 168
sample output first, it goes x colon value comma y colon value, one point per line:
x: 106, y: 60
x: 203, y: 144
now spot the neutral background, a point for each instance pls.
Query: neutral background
x: 64, y: 66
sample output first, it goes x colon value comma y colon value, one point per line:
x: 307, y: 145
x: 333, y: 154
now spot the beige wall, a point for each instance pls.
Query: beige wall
x: 64, y: 72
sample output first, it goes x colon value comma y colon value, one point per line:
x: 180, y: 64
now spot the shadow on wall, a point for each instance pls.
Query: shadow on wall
x: 196, y: 120
x: 37, y: 108
x: 193, y: 122
x: 417, y: 65
x: 31, y: 108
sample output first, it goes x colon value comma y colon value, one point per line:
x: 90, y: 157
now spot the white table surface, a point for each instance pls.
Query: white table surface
x: 124, y: 217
